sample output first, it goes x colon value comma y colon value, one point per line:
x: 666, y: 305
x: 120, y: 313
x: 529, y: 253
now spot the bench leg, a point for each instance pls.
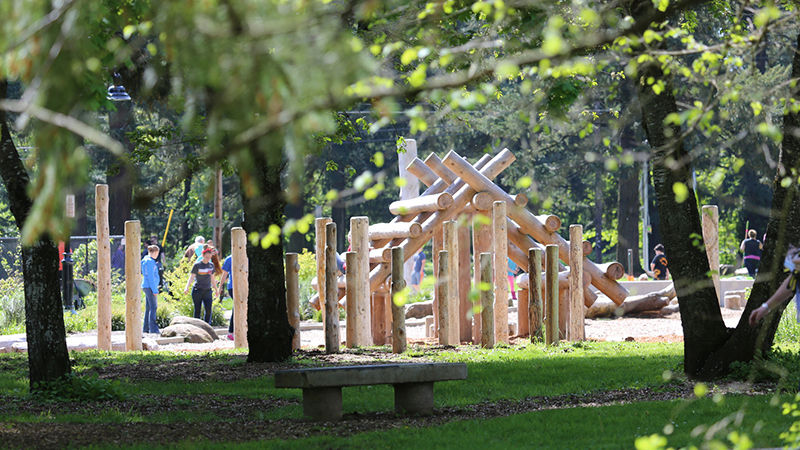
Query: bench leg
x: 413, y: 398
x: 323, y: 403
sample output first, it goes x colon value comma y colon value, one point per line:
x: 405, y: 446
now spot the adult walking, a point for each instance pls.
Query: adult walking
x: 203, y: 277
x: 659, y: 265
x: 751, y: 249
x: 150, y: 280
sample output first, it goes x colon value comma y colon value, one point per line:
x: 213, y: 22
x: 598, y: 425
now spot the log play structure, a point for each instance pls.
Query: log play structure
x: 460, y: 196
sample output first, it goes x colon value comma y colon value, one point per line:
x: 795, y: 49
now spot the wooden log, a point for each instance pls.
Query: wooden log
x: 240, y: 268
x: 331, y: 328
x: 587, y: 248
x: 575, y: 324
x: 530, y: 224
x: 398, y: 309
x: 359, y: 230
x: 443, y: 287
x: 319, y: 229
x: 450, y: 235
x: 380, y: 300
x: 633, y: 304
x: 293, y: 296
x: 427, y: 203
x: 589, y: 296
x: 351, y: 315
x: 464, y: 285
x: 551, y: 222
x: 520, y: 200
x: 563, y: 307
x: 436, y: 165
x: 437, y: 246
x: 383, y: 231
x: 535, y: 299
x: 133, y: 286
x: 422, y: 172
x: 612, y: 270
x: 551, y: 294
x: 481, y: 243
x: 500, y: 263
x: 482, y: 201
x: 711, y: 240
x: 523, y: 325
x: 103, y: 268
x: 487, y: 301
x: 380, y: 255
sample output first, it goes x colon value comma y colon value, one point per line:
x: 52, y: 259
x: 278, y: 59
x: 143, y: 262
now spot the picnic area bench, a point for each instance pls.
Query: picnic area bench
x: 413, y: 385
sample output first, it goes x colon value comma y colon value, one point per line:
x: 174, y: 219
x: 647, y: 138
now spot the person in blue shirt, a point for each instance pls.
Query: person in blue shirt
x: 150, y: 281
x: 419, y: 271
x: 227, y: 275
x: 789, y: 287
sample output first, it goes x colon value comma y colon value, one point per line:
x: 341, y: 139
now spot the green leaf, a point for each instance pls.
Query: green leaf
x: 681, y: 191
x: 757, y: 107
x: 408, y: 56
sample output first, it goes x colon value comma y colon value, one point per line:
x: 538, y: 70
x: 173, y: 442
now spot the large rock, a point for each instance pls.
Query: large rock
x: 190, y: 333
x: 419, y: 310
x: 196, y: 322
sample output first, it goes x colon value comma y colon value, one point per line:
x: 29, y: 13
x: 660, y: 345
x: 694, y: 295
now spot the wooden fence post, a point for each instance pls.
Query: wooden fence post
x: 133, y: 286
x: 293, y: 297
x: 711, y: 239
x: 551, y: 293
x: 359, y: 231
x: 319, y: 241
x: 487, y: 301
x: 436, y: 247
x: 450, y: 233
x: 500, y: 235
x: 351, y: 316
x: 331, y: 291
x: 239, y: 265
x: 464, y: 269
x: 443, y: 287
x: 481, y: 243
x: 535, y: 304
x: 398, y: 311
x: 103, y: 268
x: 575, y: 314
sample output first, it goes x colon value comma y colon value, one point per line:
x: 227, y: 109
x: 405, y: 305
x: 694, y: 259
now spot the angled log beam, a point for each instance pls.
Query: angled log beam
x: 425, y: 203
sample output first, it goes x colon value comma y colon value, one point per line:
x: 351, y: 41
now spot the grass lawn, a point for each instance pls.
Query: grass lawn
x: 518, y: 396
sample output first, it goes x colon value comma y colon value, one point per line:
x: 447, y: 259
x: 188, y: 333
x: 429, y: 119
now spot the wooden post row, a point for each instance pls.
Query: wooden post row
x: 103, y: 268
x: 133, y: 286
x: 331, y: 291
x: 240, y: 267
x: 293, y: 297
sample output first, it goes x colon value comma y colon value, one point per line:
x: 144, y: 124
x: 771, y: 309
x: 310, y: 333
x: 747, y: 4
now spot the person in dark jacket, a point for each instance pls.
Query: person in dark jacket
x: 751, y: 249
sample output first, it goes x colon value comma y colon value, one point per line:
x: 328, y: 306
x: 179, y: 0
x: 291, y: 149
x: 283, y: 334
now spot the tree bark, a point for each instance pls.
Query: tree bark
x: 48, y: 358
x: 268, y: 331
x: 628, y: 219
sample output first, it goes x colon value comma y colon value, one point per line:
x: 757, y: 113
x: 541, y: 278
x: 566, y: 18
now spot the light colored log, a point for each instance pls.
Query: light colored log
x: 331, y: 328
x: 482, y: 201
x: 437, y: 246
x: 410, y: 189
x: 523, y: 325
x: 587, y: 248
x: 435, y: 163
x: 575, y: 324
x: 612, y: 270
x: 563, y: 308
x: 427, y: 203
x: 481, y: 243
x: 380, y: 300
x: 450, y: 235
x: 133, y: 286
x: 500, y: 264
x: 487, y: 301
x: 633, y: 304
x: 520, y: 200
x: 359, y: 230
x: 711, y: 240
x: 293, y: 296
x: 382, y: 231
x: 443, y: 287
x: 398, y: 309
x: 319, y: 229
x: 240, y: 268
x: 418, y: 168
x: 589, y: 296
x: 351, y: 315
x: 380, y: 255
x: 464, y: 285
x: 103, y: 268
x: 535, y: 299
x: 551, y: 222
x: 530, y: 224
x: 551, y: 294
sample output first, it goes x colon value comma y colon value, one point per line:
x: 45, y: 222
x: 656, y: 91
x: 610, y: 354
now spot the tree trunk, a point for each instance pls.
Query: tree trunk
x: 704, y: 330
x: 185, y: 228
x: 48, y: 358
x: 269, y: 334
x: 628, y: 219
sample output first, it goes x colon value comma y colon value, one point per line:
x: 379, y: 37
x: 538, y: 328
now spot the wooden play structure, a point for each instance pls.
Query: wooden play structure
x: 461, y: 196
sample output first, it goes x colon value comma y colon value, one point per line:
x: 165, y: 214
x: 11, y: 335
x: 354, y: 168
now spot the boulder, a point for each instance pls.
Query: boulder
x: 419, y: 310
x: 195, y: 322
x: 190, y: 333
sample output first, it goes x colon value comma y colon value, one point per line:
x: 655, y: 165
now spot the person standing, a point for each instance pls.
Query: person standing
x: 118, y: 259
x: 150, y: 280
x: 203, y: 277
x: 419, y: 271
x: 660, y: 265
x: 227, y: 275
x: 751, y: 249
x: 511, y: 274
x: 195, y: 249
x: 790, y: 287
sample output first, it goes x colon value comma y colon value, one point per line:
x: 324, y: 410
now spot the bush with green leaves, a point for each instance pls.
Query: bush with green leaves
x: 72, y: 387
x: 12, y: 304
x: 308, y: 270
x: 177, y: 302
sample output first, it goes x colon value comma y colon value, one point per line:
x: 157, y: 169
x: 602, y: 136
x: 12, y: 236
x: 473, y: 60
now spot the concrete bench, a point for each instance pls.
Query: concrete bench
x: 413, y: 385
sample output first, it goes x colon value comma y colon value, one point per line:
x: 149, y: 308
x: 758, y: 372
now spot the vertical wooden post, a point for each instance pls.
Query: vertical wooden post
x: 437, y: 246
x: 575, y: 325
x: 103, y: 268
x: 487, y: 301
x: 481, y: 243
x: 500, y: 239
x: 464, y: 304
x: 293, y: 296
x: 443, y: 287
x: 523, y: 315
x: 331, y: 291
x: 711, y: 239
x: 351, y: 316
x: 398, y: 311
x: 239, y: 265
x: 535, y: 304
x: 378, y: 324
x: 133, y: 286
x: 551, y: 293
x: 319, y: 229
x: 451, y: 245
x: 359, y: 230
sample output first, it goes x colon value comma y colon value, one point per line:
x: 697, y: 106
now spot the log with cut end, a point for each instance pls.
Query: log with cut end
x: 521, y: 200
x: 613, y: 270
x: 551, y: 222
x: 426, y: 203
x: 435, y: 164
x: 380, y: 255
x: 633, y: 304
x: 394, y: 230
x: 482, y: 201
x: 425, y: 174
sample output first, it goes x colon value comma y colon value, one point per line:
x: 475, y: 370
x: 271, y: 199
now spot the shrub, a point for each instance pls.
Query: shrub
x: 308, y: 270
x: 12, y: 304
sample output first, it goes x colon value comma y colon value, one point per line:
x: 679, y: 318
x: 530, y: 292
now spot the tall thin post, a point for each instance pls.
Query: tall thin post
x: 293, y: 296
x: 331, y: 291
x: 575, y: 325
x: 359, y: 230
x: 551, y: 293
x: 133, y: 286
x: 481, y: 243
x: 535, y: 309
x: 443, y: 288
x: 711, y: 239
x: 487, y: 301
x: 351, y: 316
x: 103, y: 268
x: 437, y: 246
x: 239, y: 265
x: 500, y: 235
x: 218, y: 209
x: 398, y: 311
x: 319, y: 248
x: 451, y: 245
x: 463, y: 281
